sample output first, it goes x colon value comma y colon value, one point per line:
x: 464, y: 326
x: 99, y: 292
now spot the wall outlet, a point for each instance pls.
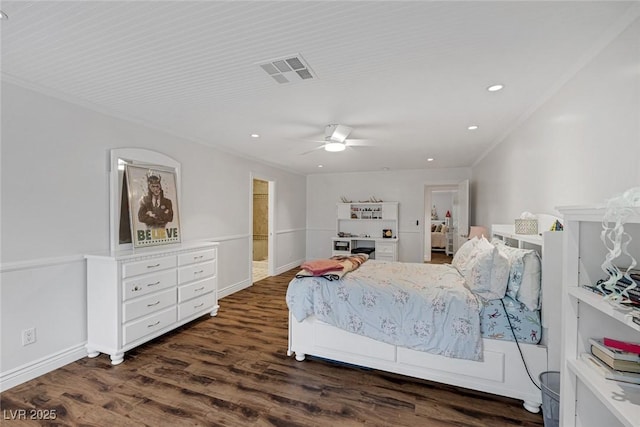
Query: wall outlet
x: 28, y: 336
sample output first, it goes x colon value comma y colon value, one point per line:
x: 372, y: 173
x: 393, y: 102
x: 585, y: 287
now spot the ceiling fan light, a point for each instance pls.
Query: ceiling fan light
x: 334, y: 146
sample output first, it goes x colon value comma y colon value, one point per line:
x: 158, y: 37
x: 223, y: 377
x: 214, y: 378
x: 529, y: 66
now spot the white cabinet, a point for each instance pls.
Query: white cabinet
x: 586, y: 397
x: 449, y: 248
x: 364, y: 225
x: 135, y: 296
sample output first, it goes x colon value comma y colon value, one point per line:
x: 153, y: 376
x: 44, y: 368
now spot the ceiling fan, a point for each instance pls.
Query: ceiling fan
x: 335, y: 139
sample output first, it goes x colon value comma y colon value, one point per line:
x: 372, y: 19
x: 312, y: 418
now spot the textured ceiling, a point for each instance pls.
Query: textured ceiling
x: 408, y: 77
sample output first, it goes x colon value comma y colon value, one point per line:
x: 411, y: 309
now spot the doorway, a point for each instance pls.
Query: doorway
x: 458, y: 222
x: 439, y: 211
x: 261, y: 232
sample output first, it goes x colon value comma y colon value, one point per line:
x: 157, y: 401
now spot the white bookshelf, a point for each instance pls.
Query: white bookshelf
x: 362, y: 225
x: 586, y: 397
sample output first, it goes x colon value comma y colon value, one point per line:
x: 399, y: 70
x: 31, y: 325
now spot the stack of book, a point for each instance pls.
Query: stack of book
x: 617, y: 360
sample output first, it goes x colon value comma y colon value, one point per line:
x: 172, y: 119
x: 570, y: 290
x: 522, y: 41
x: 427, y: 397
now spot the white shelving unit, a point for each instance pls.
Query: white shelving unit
x: 363, y: 224
x: 586, y: 397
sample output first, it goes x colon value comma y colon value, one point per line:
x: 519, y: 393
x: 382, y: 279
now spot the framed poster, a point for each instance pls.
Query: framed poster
x: 153, y: 205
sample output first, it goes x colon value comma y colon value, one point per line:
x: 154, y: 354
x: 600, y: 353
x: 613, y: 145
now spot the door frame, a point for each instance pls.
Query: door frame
x: 271, y: 244
x: 426, y: 236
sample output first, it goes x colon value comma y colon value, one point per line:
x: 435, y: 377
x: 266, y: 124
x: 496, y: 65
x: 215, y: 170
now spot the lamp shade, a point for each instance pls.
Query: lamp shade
x: 477, y: 231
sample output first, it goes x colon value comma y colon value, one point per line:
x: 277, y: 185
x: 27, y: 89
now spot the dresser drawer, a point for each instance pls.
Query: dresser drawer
x: 148, y: 325
x: 196, y: 289
x: 385, y: 248
x: 196, y: 271
x: 384, y: 257
x: 142, y: 285
x: 147, y: 305
x: 150, y: 265
x: 196, y: 305
x: 197, y: 256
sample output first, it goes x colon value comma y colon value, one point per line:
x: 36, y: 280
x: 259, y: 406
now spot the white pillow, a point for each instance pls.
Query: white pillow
x: 486, y: 271
x: 524, y: 275
x: 462, y: 254
x: 529, y: 292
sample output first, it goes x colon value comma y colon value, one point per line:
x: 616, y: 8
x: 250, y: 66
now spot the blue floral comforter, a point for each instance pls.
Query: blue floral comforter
x: 424, y: 307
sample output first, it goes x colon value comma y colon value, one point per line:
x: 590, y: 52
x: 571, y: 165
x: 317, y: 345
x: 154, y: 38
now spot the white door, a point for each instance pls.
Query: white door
x: 461, y: 215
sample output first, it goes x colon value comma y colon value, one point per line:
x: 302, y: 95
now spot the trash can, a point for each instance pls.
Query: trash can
x: 550, y: 385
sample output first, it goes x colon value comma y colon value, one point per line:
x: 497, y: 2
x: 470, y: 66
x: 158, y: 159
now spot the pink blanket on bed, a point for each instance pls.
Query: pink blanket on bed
x: 320, y: 266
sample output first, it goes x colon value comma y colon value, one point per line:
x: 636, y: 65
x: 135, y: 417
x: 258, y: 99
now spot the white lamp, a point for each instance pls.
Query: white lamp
x: 335, y: 146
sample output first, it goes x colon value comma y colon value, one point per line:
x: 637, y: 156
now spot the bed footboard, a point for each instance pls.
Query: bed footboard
x: 501, y: 372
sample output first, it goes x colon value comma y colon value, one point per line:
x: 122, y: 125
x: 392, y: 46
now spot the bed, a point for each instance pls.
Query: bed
x: 491, y: 363
x: 438, y: 237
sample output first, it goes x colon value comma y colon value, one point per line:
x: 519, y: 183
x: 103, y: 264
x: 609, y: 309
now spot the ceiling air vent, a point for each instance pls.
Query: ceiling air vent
x: 288, y: 69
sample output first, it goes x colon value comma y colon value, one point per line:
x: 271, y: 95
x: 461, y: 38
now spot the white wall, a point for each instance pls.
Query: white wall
x: 406, y: 187
x: 443, y: 201
x: 580, y: 147
x: 55, y: 208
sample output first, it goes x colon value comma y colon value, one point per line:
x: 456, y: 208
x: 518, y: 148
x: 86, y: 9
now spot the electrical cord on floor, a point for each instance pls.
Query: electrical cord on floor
x: 518, y: 344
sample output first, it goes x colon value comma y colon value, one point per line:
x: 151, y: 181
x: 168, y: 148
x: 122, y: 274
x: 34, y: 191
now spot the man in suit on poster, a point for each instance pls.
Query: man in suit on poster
x: 155, y: 210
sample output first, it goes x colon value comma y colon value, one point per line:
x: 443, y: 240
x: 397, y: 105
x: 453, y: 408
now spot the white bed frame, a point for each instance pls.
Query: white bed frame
x: 501, y: 372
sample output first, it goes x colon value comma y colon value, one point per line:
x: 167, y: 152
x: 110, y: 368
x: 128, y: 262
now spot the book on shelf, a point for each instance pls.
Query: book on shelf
x: 626, y: 346
x: 617, y: 364
x: 612, y: 352
x: 628, y: 378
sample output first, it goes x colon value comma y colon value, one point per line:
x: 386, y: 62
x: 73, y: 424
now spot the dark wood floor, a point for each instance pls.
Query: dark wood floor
x: 438, y: 257
x: 232, y: 370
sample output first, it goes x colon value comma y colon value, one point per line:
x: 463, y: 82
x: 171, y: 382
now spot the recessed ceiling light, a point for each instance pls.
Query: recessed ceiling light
x: 473, y: 127
x: 255, y: 135
x: 430, y: 159
x: 320, y: 166
x: 495, y: 88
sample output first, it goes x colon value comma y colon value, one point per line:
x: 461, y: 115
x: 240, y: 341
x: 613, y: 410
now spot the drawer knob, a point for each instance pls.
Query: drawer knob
x: 153, y: 266
x: 199, y: 305
x: 155, y: 303
x: 199, y: 289
x: 155, y: 324
x: 153, y: 284
x: 197, y: 257
x: 198, y: 272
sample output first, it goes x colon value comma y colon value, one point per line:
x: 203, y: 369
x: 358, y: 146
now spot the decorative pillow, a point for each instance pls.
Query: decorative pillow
x: 487, y: 271
x: 438, y: 228
x: 516, y: 266
x: 524, y: 274
x: 433, y: 228
x: 462, y: 254
x: 445, y: 228
x: 530, y: 288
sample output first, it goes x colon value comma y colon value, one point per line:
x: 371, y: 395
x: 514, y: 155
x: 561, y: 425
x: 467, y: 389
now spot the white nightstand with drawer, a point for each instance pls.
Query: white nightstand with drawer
x: 386, y: 251
x: 134, y: 296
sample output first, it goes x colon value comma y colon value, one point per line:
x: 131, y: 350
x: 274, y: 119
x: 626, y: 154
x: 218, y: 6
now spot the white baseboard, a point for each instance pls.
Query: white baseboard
x: 41, y: 366
x: 234, y: 288
x: 289, y: 266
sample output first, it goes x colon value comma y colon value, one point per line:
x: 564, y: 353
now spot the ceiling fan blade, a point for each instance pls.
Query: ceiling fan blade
x: 337, y: 133
x: 358, y: 143
x: 311, y: 151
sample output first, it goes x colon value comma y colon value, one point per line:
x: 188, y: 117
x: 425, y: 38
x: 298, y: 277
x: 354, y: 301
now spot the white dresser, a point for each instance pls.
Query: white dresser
x: 134, y: 296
